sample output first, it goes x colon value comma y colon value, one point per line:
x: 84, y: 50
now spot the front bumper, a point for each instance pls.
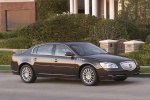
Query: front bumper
x: 103, y: 74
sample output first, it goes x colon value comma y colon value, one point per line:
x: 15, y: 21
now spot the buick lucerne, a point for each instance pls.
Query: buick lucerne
x: 81, y: 60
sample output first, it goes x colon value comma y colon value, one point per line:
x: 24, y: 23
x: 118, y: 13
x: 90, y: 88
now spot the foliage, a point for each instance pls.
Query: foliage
x: 48, y: 8
x: 5, y: 35
x: 15, y: 43
x: 148, y: 39
x: 136, y: 9
x: 60, y: 28
x: 5, y: 57
x: 142, y: 56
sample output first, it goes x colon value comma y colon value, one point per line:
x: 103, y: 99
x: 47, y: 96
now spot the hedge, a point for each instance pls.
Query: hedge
x: 75, y: 28
x: 6, y: 35
x: 48, y: 8
x: 5, y: 57
x: 142, y: 56
x: 61, y: 28
x: 72, y: 27
x: 15, y: 43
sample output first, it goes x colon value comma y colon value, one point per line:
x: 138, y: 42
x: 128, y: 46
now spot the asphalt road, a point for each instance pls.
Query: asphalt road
x: 12, y: 88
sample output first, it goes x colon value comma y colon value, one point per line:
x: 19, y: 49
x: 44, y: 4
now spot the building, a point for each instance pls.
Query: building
x: 101, y: 8
x: 16, y: 13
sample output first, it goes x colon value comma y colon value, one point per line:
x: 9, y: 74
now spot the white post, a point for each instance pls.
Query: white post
x: 71, y: 6
x: 111, y: 9
x: 94, y: 8
x: 105, y: 9
x: 75, y: 6
x: 119, y: 5
x: 87, y: 6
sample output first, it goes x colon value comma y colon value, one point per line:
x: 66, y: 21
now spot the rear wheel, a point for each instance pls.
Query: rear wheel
x: 89, y: 76
x: 121, y: 79
x: 27, y: 74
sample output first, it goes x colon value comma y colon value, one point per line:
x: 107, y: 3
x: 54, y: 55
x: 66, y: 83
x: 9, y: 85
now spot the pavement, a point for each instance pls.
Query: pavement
x: 12, y: 88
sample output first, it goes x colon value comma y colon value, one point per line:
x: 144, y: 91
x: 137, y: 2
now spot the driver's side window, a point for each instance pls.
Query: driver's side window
x: 61, y: 50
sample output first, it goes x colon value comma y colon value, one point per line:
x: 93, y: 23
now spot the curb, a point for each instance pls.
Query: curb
x: 146, y: 75
x: 5, y: 71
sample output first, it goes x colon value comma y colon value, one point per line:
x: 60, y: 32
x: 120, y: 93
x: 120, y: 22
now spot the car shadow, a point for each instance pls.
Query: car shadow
x: 78, y: 82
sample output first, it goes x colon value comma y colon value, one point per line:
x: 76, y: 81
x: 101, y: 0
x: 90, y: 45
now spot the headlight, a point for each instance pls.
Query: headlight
x: 135, y: 62
x: 108, y: 65
x: 128, y: 65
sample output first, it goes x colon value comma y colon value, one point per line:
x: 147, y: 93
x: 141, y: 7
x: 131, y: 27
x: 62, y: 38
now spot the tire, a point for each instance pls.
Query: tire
x: 27, y: 74
x: 89, y: 76
x: 121, y: 79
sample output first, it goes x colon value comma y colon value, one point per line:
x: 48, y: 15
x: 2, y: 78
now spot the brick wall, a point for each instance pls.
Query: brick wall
x: 4, y: 6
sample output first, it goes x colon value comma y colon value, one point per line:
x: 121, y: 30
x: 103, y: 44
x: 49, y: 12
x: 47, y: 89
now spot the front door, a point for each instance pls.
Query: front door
x: 64, y: 65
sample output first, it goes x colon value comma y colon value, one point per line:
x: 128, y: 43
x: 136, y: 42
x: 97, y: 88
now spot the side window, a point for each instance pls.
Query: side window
x: 61, y: 50
x: 34, y: 50
x: 44, y: 50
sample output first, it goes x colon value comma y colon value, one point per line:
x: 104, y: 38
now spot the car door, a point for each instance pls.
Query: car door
x: 64, y: 65
x: 42, y: 59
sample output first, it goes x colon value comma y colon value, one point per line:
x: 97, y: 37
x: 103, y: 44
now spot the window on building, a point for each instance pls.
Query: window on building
x: 17, y: 18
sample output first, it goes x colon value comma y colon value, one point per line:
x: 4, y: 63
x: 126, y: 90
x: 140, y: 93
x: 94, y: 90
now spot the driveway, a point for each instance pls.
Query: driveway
x: 12, y: 88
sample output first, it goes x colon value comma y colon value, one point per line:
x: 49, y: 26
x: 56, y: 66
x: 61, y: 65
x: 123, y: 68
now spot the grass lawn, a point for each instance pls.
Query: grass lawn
x: 5, y: 68
x: 145, y: 70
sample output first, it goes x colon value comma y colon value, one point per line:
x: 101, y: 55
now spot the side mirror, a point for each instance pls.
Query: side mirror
x: 69, y: 54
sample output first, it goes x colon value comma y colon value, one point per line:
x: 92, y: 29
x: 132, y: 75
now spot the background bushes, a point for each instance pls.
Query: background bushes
x: 142, y: 56
x: 77, y: 28
x: 15, y: 43
x: 48, y: 8
x: 6, y: 35
x: 5, y: 57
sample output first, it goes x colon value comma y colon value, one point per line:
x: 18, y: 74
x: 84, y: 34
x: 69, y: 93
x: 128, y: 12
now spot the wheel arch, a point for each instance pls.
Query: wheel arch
x: 25, y: 63
x: 82, y: 66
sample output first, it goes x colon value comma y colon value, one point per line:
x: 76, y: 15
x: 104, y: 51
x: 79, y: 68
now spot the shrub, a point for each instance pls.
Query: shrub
x: 148, y: 39
x: 48, y: 8
x: 61, y: 28
x: 5, y: 57
x: 5, y: 35
x: 78, y: 27
x: 142, y: 56
x: 15, y: 43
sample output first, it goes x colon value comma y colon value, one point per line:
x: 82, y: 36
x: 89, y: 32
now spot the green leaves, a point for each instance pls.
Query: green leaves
x: 49, y: 8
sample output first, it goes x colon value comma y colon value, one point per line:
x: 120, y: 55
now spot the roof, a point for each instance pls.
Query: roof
x: 60, y: 43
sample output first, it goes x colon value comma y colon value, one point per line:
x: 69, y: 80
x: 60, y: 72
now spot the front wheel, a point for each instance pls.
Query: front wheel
x: 27, y: 74
x: 121, y: 79
x: 89, y: 76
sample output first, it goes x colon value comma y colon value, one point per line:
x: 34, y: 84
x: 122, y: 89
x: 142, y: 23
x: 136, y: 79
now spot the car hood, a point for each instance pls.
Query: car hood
x: 108, y: 58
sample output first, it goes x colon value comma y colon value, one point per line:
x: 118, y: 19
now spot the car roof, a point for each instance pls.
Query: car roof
x: 61, y: 43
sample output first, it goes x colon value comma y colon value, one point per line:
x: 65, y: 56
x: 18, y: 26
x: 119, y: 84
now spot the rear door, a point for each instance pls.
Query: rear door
x: 42, y: 59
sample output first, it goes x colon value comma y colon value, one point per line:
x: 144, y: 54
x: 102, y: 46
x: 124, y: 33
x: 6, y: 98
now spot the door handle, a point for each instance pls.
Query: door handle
x: 55, y: 60
x: 35, y: 59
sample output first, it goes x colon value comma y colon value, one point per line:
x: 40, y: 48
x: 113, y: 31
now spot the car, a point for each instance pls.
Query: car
x: 82, y: 60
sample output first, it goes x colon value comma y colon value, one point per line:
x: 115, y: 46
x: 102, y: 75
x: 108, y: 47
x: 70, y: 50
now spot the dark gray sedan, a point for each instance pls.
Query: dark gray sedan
x: 81, y: 60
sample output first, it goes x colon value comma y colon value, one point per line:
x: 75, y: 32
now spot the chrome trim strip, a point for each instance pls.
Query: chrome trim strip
x: 63, y: 66
x: 56, y: 74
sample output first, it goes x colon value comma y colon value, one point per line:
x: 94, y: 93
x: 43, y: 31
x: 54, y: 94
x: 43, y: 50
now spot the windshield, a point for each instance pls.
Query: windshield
x: 84, y: 49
